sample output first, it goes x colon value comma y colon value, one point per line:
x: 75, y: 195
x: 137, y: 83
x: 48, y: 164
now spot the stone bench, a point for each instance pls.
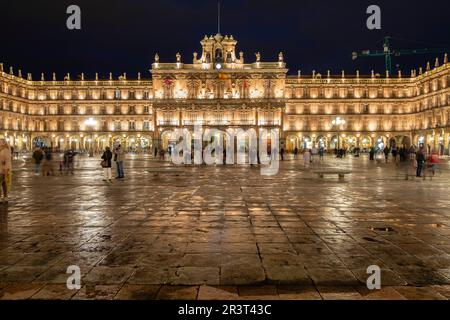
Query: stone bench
x: 158, y: 171
x: 340, y: 174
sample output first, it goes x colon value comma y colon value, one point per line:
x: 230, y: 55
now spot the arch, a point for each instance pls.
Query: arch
x: 333, y: 142
x: 403, y: 140
x: 321, y: 142
x: 307, y: 142
x: 365, y: 142
x: 291, y: 142
x: 42, y: 141
x: 349, y: 142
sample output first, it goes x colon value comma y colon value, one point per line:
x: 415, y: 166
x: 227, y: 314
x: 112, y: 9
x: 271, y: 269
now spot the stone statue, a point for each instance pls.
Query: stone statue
x: 280, y: 57
x: 156, y: 58
x: 178, y: 55
x: 258, y: 57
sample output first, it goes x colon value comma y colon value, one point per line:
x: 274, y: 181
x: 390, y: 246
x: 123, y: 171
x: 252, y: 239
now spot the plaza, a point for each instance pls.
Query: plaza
x: 226, y: 232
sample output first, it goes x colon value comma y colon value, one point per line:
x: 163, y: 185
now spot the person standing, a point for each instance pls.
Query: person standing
x: 118, y: 157
x: 295, y: 153
x: 5, y: 169
x: 282, y: 154
x: 321, y: 153
x: 372, y: 153
x: 386, y: 153
x: 38, y: 155
x: 306, y: 158
x: 420, y: 159
x: 106, y: 164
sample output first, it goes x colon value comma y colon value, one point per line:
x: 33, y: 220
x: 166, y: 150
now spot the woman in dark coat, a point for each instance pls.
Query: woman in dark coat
x: 106, y: 164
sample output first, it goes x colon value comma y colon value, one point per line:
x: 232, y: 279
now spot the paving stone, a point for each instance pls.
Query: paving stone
x: 420, y: 293
x: 178, y: 293
x: 54, y: 292
x: 296, y: 292
x: 339, y: 293
x: 207, y: 292
x: 97, y: 292
x: 137, y: 292
x: 20, y: 291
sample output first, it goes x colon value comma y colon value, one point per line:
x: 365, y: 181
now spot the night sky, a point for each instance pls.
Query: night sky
x: 123, y: 36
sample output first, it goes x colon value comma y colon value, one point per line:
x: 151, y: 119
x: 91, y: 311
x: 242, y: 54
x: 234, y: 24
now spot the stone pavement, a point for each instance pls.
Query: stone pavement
x: 226, y: 233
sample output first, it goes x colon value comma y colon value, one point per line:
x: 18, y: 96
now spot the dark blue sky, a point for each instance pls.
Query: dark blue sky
x: 122, y: 36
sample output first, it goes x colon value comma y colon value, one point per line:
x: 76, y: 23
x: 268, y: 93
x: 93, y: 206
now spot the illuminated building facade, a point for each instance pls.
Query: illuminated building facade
x: 219, y: 89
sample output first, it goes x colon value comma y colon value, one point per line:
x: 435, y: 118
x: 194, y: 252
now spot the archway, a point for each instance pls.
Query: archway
x: 291, y: 143
x: 365, y: 143
x: 42, y: 141
x: 321, y: 142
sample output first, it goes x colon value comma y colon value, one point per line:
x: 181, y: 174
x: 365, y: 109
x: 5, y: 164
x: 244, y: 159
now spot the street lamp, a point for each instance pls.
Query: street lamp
x: 338, y: 122
x: 90, y: 123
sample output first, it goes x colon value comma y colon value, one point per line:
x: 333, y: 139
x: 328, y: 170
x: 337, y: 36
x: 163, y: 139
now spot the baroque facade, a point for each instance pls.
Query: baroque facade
x: 219, y: 89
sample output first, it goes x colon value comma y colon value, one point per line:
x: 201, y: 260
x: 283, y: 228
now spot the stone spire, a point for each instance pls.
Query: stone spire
x: 96, y: 76
x: 42, y: 77
x: 1, y: 67
x: 20, y: 73
x: 436, y: 63
x: 428, y: 66
x: 445, y: 59
x: 11, y: 71
x: 54, y: 76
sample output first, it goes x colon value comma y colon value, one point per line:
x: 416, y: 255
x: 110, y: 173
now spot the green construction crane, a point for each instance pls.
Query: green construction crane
x: 388, y: 53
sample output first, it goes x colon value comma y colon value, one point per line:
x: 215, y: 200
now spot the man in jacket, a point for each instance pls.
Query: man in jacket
x: 119, y: 157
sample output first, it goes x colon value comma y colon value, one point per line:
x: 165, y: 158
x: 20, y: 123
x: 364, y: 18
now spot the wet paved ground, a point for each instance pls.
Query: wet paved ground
x: 226, y: 233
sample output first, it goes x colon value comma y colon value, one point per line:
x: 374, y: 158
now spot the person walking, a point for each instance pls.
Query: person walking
x: 282, y: 154
x: 38, y: 155
x: 119, y: 157
x: 106, y: 164
x: 5, y: 170
x: 295, y: 153
x: 306, y: 158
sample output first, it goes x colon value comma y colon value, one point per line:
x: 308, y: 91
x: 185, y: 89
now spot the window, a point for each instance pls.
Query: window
x: 117, y: 126
x: 132, y: 125
x: 117, y: 110
x: 146, y: 109
x: 117, y: 94
x: 74, y: 110
x: 146, y: 125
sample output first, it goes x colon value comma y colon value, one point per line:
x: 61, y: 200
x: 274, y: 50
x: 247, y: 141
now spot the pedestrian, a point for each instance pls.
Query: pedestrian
x: 38, y: 155
x: 420, y: 159
x: 394, y: 152
x: 282, y: 154
x: 321, y: 153
x: 47, y: 166
x: 5, y: 170
x: 404, y: 163
x: 119, y: 157
x: 432, y: 163
x: 372, y: 153
x: 68, y: 161
x: 306, y: 158
x: 106, y: 164
x: 386, y: 153
x: 295, y: 153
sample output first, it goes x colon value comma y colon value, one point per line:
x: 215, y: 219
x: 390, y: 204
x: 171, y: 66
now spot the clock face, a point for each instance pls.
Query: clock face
x: 218, y: 66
